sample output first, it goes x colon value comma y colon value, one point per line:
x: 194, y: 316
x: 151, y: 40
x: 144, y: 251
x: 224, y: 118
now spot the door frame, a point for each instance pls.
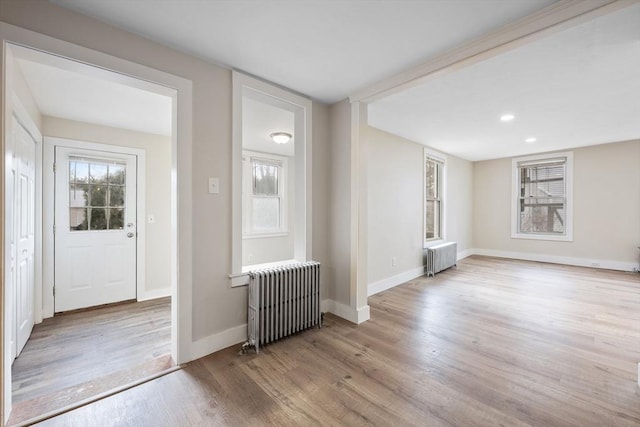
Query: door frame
x: 48, y: 203
x: 180, y: 90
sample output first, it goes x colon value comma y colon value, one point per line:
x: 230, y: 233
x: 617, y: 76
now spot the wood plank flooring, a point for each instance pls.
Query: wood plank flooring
x: 77, y: 355
x: 490, y: 343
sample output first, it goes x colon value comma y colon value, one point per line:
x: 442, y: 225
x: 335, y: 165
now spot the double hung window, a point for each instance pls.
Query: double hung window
x: 433, y: 197
x: 543, y: 197
x: 264, y: 195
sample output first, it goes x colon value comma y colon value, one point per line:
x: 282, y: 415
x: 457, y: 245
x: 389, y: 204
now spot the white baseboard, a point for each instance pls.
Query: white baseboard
x: 390, y: 282
x: 465, y: 253
x: 154, y: 293
x: 557, y: 259
x: 364, y: 314
x: 342, y: 310
x: 216, y: 342
x: 398, y: 279
x: 238, y: 334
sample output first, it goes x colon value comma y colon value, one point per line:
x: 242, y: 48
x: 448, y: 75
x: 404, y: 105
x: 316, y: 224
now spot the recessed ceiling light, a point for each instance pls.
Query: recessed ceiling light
x: 281, y: 137
x: 507, y: 117
x: 530, y: 140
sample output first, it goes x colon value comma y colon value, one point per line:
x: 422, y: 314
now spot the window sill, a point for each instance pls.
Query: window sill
x: 242, y: 279
x: 550, y: 237
x: 433, y: 242
x: 265, y: 235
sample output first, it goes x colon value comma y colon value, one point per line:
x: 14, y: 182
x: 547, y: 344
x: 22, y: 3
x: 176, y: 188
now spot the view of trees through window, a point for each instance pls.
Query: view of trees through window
x: 96, y: 195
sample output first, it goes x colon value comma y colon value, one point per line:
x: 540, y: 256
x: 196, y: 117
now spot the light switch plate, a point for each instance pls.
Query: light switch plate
x: 214, y: 185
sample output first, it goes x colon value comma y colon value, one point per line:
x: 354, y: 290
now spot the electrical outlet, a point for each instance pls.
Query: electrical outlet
x: 394, y: 261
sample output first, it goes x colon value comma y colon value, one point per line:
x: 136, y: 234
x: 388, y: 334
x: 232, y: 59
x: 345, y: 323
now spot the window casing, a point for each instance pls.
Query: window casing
x: 433, y: 198
x: 264, y: 195
x: 542, y: 193
x: 299, y: 176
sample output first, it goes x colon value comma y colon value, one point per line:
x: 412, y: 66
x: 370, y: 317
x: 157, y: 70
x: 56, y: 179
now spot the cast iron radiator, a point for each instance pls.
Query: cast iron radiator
x: 441, y: 257
x: 282, y: 301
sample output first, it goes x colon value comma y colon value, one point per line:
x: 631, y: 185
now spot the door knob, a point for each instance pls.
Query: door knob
x: 130, y: 234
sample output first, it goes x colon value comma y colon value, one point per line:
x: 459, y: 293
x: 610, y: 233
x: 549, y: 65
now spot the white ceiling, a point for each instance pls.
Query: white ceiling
x: 576, y: 88
x: 78, y: 95
x: 324, y: 49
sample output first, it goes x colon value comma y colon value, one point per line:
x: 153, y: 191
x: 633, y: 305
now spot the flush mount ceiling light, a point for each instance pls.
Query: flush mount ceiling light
x: 281, y: 137
x: 530, y: 140
x: 507, y: 117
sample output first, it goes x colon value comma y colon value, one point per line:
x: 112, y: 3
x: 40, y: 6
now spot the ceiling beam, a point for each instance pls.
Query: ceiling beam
x: 554, y: 18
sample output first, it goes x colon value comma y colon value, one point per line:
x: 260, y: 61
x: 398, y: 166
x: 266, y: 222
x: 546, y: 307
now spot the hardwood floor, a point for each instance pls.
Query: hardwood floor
x: 77, y: 355
x: 491, y: 342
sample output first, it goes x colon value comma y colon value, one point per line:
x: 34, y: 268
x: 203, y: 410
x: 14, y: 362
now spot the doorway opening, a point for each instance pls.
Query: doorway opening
x: 92, y: 207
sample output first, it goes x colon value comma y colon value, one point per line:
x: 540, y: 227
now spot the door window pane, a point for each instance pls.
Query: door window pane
x: 116, y: 196
x: 78, y: 172
x: 116, y: 174
x: 98, y: 173
x: 98, y: 219
x: 98, y: 195
x: 98, y: 186
x: 78, y: 195
x: 78, y: 219
x: 116, y: 219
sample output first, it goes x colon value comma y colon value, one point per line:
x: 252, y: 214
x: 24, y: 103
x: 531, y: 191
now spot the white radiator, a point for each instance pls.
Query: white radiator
x: 441, y: 257
x: 282, y: 301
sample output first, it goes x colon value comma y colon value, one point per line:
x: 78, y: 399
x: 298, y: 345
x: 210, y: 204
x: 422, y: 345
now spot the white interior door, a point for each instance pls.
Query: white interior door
x: 95, y: 228
x: 24, y: 162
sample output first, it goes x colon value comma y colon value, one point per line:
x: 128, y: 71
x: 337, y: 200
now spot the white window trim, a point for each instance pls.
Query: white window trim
x: 301, y: 219
x: 443, y: 199
x: 247, y: 194
x: 568, y: 228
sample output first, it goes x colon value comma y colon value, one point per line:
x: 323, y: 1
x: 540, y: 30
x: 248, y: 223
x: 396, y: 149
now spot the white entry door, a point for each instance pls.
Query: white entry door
x: 24, y: 233
x: 95, y: 228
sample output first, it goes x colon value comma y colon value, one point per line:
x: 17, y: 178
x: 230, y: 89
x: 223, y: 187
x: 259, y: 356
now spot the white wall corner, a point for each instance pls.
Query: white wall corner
x: 344, y: 311
x: 398, y: 279
x: 466, y: 253
x: 219, y: 341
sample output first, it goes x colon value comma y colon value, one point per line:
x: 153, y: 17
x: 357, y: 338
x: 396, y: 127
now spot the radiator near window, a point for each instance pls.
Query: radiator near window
x: 282, y: 301
x: 441, y: 257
